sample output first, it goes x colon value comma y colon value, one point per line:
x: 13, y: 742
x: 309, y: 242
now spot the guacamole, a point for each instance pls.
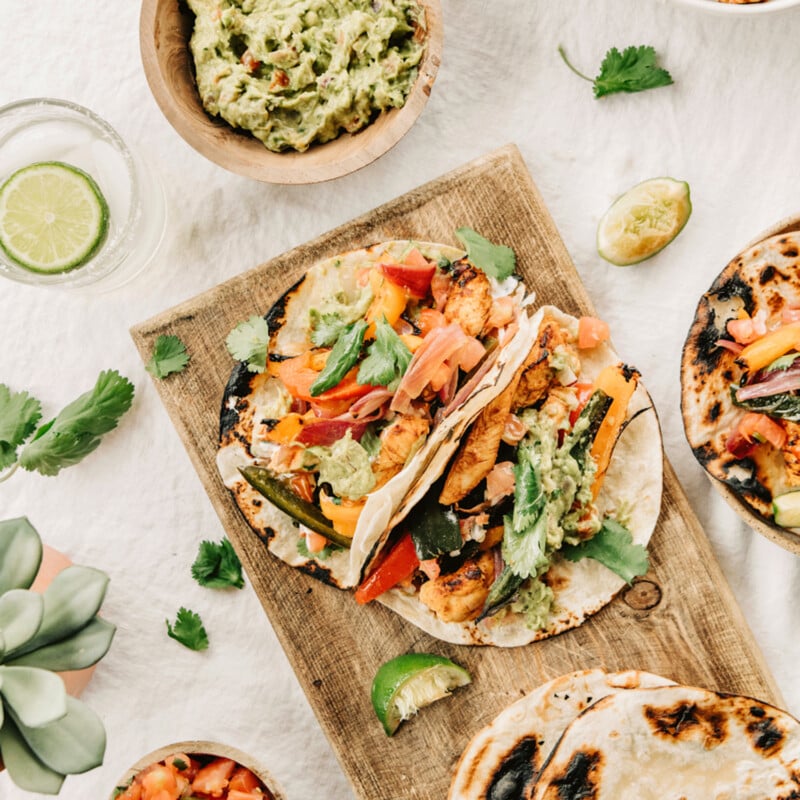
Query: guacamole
x: 293, y: 72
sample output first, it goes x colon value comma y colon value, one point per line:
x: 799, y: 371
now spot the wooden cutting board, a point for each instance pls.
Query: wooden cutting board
x: 680, y: 621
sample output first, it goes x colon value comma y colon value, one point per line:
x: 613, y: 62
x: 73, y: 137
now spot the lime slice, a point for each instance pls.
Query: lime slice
x: 53, y: 217
x: 408, y: 683
x: 643, y: 221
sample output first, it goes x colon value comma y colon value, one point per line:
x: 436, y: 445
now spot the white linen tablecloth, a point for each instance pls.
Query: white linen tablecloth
x: 135, y: 507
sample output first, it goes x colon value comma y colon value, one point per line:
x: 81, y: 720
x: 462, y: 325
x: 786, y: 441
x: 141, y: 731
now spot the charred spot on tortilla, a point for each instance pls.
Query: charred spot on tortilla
x: 581, y: 778
x: 516, y: 772
x: 765, y: 734
x: 767, y: 274
x: 276, y: 316
x: 714, y: 412
x: 742, y: 477
x: 318, y: 571
x: 237, y: 388
x: 790, y: 252
x: 688, y: 721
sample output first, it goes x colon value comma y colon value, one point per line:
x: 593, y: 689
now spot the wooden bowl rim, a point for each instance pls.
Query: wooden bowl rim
x: 780, y: 536
x: 245, y: 155
x: 202, y: 748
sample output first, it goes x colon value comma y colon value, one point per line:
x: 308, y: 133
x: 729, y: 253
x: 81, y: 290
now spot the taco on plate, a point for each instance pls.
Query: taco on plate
x: 740, y: 379
x: 372, y: 357
x: 540, y: 513
x: 503, y: 760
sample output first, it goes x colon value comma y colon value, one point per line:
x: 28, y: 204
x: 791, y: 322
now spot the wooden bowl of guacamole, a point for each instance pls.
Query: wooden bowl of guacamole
x: 288, y: 92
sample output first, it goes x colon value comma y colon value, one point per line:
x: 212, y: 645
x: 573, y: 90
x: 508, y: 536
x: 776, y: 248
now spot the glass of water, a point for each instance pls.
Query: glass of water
x: 45, y: 129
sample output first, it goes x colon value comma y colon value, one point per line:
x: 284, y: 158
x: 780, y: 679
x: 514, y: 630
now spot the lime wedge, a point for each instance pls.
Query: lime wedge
x: 410, y: 682
x: 643, y: 221
x: 53, y: 217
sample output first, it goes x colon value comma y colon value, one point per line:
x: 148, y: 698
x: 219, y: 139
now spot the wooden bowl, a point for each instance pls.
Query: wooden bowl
x: 780, y: 536
x: 165, y: 27
x: 197, y: 748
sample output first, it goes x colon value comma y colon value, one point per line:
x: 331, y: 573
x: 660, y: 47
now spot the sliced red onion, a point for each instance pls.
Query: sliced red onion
x: 370, y: 402
x: 776, y: 383
x: 734, y: 347
x: 466, y: 390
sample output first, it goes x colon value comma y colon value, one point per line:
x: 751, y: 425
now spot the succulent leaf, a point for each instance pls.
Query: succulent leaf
x: 24, y: 768
x: 20, y: 554
x: 20, y: 616
x: 71, y: 745
x: 82, y: 649
x: 35, y: 696
x: 70, y: 602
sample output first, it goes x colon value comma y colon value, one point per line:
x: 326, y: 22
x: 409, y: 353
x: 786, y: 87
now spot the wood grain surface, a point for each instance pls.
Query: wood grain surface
x: 680, y: 621
x: 165, y: 27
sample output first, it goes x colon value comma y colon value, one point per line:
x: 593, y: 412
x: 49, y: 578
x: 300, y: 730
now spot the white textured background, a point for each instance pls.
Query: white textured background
x: 135, y: 508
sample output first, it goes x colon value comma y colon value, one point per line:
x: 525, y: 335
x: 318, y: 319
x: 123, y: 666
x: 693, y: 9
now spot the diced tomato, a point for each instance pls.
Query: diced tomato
x: 747, y: 329
x: 430, y: 318
x: 761, y: 428
x: 243, y: 780
x: 399, y: 564
x: 254, y: 795
x: 583, y: 392
x: 133, y: 792
x: 591, y: 332
x: 738, y: 446
x: 159, y: 783
x: 213, y: 778
x: 514, y: 429
x: 250, y: 62
x: 414, y: 277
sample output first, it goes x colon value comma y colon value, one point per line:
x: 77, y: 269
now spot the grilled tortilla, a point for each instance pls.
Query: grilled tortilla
x: 503, y: 760
x: 765, y: 279
x: 631, y: 489
x: 675, y: 743
x: 254, y: 403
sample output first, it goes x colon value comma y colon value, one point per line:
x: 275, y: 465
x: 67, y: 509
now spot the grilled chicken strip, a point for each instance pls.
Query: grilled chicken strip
x: 461, y: 595
x: 399, y: 441
x: 791, y: 452
x: 469, y: 300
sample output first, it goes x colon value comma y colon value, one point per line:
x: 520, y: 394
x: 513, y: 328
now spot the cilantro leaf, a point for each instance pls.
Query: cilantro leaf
x: 188, y: 630
x: 612, y: 546
x: 169, y: 355
x: 325, y: 328
x: 76, y: 430
x: 342, y: 358
x: 19, y: 413
x: 496, y: 260
x: 217, y: 566
x: 387, y: 358
x: 248, y: 342
x: 635, y: 69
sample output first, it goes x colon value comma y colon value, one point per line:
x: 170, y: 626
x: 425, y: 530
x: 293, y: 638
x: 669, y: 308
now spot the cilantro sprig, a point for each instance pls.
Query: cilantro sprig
x: 169, y: 355
x: 635, y: 69
x: 613, y: 547
x: 188, y: 630
x: 217, y: 566
x: 387, y: 358
x: 70, y: 436
x: 248, y: 342
x: 496, y: 260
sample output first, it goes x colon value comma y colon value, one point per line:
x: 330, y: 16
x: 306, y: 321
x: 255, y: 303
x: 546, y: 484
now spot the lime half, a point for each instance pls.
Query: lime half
x: 408, y: 683
x: 643, y: 221
x: 53, y: 217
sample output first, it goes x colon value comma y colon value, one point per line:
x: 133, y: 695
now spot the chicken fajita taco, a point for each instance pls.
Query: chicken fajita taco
x: 740, y: 379
x: 540, y: 513
x: 371, y: 359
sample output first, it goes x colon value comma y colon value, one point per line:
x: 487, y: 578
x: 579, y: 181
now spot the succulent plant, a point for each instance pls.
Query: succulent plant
x: 44, y: 733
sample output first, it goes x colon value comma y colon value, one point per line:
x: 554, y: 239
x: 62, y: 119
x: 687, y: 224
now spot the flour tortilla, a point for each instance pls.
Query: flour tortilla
x: 248, y: 394
x: 764, y: 277
x: 634, y: 480
x: 502, y: 761
x: 675, y: 743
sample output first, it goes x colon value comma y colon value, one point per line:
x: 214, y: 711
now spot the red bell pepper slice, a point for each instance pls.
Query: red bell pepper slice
x: 400, y: 563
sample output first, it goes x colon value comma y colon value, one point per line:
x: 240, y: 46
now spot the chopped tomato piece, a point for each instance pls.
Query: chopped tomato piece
x: 160, y: 783
x: 761, y: 428
x: 747, y: 329
x: 414, y: 278
x: 243, y: 780
x: 583, y: 391
x: 213, y: 778
x: 591, y: 332
x: 250, y: 62
x: 133, y: 792
x: 235, y: 794
x: 738, y: 446
x: 430, y: 318
x: 400, y: 563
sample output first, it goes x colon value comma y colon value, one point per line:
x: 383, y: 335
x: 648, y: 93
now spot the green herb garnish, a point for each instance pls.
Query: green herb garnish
x: 217, y: 566
x: 19, y: 414
x: 248, y: 342
x: 325, y: 328
x: 76, y: 430
x: 188, y: 630
x: 496, y: 260
x: 613, y: 547
x: 341, y: 359
x: 633, y: 70
x: 387, y: 358
x: 169, y: 355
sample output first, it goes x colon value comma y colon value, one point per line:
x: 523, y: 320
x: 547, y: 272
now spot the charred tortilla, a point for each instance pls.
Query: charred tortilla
x: 761, y: 281
x: 503, y: 760
x: 255, y: 403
